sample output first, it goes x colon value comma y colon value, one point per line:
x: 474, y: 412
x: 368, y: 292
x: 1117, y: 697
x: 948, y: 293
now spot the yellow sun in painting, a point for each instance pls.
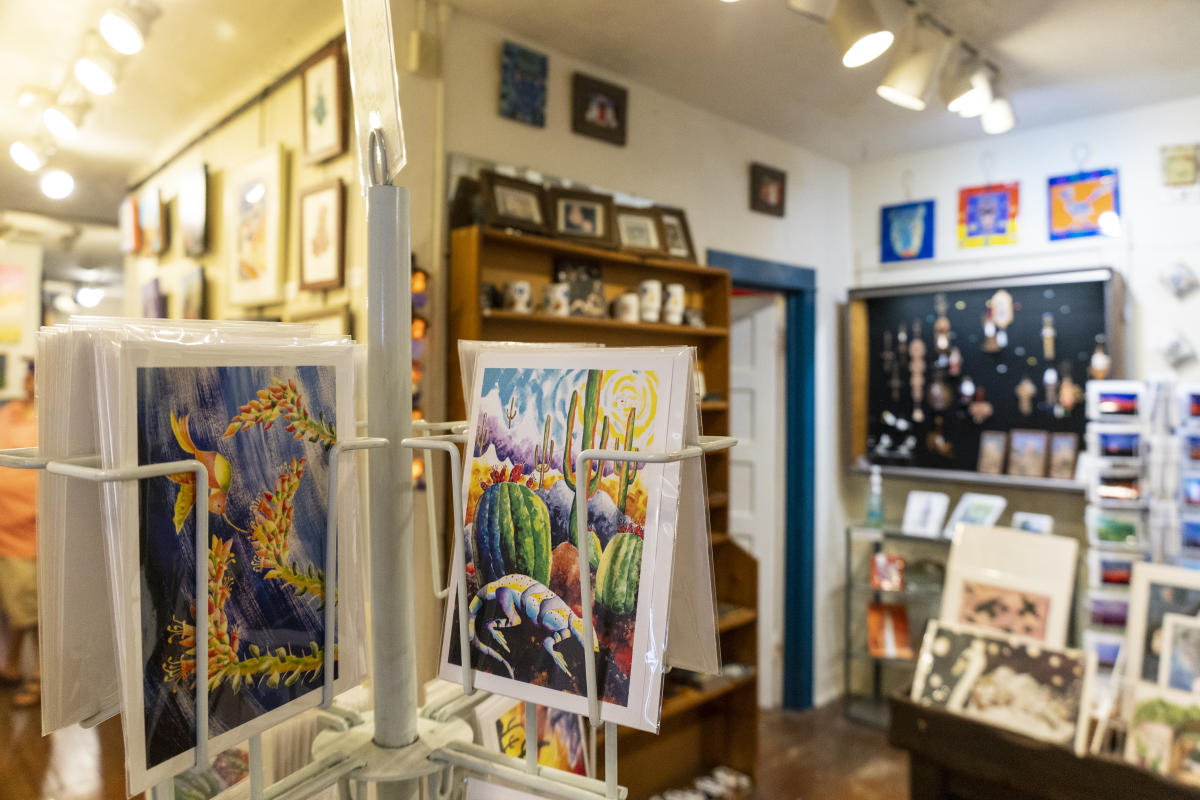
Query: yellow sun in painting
x: 622, y: 390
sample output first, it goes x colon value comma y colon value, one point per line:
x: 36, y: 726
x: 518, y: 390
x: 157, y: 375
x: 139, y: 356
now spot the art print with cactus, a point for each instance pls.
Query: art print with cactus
x: 530, y: 420
x: 264, y: 434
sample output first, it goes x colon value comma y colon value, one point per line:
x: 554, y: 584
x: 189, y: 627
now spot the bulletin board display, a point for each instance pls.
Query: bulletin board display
x: 930, y: 368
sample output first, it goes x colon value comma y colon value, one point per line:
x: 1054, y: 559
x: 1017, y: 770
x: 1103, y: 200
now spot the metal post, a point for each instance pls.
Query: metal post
x: 389, y: 415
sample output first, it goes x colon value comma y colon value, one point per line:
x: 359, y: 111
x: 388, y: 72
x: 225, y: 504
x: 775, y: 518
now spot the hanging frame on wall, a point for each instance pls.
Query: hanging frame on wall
x: 930, y: 370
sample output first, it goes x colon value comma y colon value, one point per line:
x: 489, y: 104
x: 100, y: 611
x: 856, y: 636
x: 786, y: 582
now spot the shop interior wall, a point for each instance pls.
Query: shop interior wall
x: 1159, y: 228
x: 681, y: 155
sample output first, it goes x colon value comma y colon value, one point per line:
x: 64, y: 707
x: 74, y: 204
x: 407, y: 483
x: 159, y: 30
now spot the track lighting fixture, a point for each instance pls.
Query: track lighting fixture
x: 919, y: 54
x: 63, y: 120
x: 29, y: 155
x: 998, y: 116
x: 859, y: 33
x: 966, y: 85
x: 125, y: 28
x: 57, y: 184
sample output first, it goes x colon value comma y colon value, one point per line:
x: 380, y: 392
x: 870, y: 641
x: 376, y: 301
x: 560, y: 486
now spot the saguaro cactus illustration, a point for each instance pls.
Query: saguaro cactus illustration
x: 543, y: 455
x: 591, y: 410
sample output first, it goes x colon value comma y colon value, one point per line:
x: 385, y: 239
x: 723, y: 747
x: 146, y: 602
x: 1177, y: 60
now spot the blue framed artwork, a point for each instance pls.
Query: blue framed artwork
x: 906, y: 231
x: 523, y: 84
x: 1084, y: 204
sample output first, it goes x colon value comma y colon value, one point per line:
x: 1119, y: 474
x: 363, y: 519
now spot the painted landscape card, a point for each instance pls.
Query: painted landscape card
x: 1164, y: 733
x: 263, y: 425
x: 531, y: 415
x: 1158, y: 591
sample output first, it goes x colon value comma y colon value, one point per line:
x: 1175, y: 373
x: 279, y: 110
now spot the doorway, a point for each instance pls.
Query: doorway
x: 794, y: 397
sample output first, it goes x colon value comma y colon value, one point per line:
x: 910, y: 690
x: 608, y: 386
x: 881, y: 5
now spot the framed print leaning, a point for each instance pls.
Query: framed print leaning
x: 256, y: 216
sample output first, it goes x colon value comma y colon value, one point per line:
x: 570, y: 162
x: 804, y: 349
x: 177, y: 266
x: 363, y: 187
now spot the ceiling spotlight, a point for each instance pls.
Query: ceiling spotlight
x: 858, y: 32
x: 998, y: 117
x: 97, y: 73
x: 57, y: 184
x: 966, y: 86
x: 89, y: 296
x: 34, y: 97
x: 28, y: 156
x: 125, y: 28
x: 63, y: 121
x: 918, y: 56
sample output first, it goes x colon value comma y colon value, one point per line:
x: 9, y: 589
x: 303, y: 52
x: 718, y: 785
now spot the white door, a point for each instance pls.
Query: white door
x: 756, y: 468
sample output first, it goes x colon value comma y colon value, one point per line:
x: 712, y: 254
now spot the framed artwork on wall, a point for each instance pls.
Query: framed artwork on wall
x: 322, y: 235
x: 1179, y: 164
x: 523, y: 74
x: 255, y: 215
x: 598, y: 109
x: 640, y: 230
x: 324, y: 97
x: 128, y: 225
x: 192, y: 207
x: 987, y: 215
x: 513, y: 203
x: 191, y: 294
x: 906, y: 231
x: 154, y: 302
x: 584, y: 217
x: 153, y: 222
x: 678, y: 235
x: 1084, y: 204
x: 768, y: 189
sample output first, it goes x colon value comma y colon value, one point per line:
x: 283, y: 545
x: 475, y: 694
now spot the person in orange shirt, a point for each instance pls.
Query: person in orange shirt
x: 18, y: 548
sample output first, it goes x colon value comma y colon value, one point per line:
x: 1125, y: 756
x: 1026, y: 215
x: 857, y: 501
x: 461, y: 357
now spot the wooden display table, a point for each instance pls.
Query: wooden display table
x: 955, y: 758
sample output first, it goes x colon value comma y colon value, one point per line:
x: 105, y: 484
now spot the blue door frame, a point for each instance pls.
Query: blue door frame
x: 798, y: 285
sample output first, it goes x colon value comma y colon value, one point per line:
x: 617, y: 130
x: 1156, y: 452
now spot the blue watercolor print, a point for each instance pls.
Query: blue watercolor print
x: 523, y: 84
x: 906, y: 231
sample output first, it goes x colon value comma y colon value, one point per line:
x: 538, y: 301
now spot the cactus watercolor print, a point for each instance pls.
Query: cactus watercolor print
x: 532, y: 413
x: 265, y: 434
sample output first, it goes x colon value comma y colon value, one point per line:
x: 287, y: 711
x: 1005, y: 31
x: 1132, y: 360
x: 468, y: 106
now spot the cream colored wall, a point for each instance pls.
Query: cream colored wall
x: 29, y: 258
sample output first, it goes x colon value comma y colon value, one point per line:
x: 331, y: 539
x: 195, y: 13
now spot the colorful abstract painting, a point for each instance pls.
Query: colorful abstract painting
x: 521, y: 537
x: 1003, y: 609
x: 987, y: 215
x: 906, y: 231
x: 264, y: 433
x: 1084, y: 204
x: 560, y: 739
x: 523, y: 75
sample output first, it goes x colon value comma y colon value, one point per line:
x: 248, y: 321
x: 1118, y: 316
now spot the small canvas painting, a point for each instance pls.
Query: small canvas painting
x: 322, y: 241
x: 599, y: 109
x: 152, y: 222
x: 1084, y: 204
x: 906, y: 231
x: 999, y: 608
x: 191, y: 294
x: 254, y: 214
x: 987, y: 215
x: 523, y: 84
x: 1164, y: 733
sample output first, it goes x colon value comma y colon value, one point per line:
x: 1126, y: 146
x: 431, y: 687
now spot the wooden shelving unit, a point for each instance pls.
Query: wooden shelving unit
x: 700, y: 729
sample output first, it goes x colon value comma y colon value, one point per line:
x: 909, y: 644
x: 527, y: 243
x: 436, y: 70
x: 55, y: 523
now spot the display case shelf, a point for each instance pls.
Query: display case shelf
x: 736, y: 618
x: 976, y: 478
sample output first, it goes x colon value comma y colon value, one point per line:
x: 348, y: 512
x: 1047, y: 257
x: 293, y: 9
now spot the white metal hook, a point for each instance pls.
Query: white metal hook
x: 906, y: 184
x: 1081, y: 152
x: 987, y: 161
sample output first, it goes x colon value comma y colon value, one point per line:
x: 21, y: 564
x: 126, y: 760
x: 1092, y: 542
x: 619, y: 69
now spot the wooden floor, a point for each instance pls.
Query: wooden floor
x: 815, y: 755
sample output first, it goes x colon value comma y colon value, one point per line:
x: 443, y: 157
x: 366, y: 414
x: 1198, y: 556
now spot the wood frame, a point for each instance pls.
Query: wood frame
x: 334, y: 50
x: 667, y: 211
x: 759, y: 173
x: 1015, y: 458
x: 655, y: 219
x: 339, y: 238
x: 581, y: 85
x: 489, y: 181
x: 271, y: 165
x: 608, y: 239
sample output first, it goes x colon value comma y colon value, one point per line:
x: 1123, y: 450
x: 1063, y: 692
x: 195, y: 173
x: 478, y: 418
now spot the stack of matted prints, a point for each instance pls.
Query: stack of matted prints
x: 997, y: 653
x: 645, y: 547
x: 261, y: 406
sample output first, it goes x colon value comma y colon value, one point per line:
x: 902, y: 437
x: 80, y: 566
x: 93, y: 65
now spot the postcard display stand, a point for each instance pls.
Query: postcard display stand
x: 931, y: 369
x: 399, y: 748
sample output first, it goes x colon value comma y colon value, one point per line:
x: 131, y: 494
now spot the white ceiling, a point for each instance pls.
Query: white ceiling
x: 755, y: 61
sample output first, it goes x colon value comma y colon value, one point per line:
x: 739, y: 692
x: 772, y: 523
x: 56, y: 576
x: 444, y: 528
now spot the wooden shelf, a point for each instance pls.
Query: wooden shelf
x: 736, y: 618
x: 515, y: 237
x: 718, y: 499
x: 714, y: 405
x: 602, y: 323
x: 685, y: 698
x: 977, y: 478
x: 721, y: 538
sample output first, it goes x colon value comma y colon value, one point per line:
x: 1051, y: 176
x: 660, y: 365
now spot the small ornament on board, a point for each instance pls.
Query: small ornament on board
x: 916, y: 366
x: 1050, y: 382
x: 936, y: 441
x: 1026, y: 391
x: 990, y: 343
x: 941, y: 327
x: 966, y: 390
x: 980, y: 409
x: 956, y: 360
x: 1070, y: 393
x: 1101, y: 362
x: 902, y: 341
x: 1179, y: 279
x: 1048, y: 336
x: 940, y: 394
x: 1001, y: 306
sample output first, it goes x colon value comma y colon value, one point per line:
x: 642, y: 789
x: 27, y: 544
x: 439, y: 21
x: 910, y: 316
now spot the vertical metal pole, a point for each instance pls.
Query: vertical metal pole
x: 389, y: 415
x: 531, y: 737
x: 256, y: 765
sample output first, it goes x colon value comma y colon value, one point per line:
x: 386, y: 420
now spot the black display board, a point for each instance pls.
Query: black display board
x: 1080, y: 304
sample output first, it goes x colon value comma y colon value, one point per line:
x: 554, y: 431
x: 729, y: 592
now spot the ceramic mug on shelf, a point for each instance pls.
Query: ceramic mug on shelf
x: 674, y: 304
x: 556, y: 299
x: 650, y: 299
x: 625, y: 307
x: 518, y: 296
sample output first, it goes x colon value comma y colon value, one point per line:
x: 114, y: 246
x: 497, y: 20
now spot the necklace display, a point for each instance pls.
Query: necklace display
x: 916, y: 367
x: 1026, y: 391
x: 891, y: 367
x: 980, y: 409
x: 1001, y: 308
x: 940, y: 394
x: 1050, y: 376
x: 1100, y: 364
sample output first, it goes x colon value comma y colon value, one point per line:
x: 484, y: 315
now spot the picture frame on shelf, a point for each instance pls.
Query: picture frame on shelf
x: 323, y: 94
x: 924, y: 513
x: 152, y: 220
x: 191, y: 204
x: 1107, y: 608
x: 1111, y: 569
x: 599, y: 109
x: 129, y: 226
x: 677, y: 234
x: 1064, y: 451
x: 323, y: 235
x: 1115, y: 528
x: 255, y: 204
x: 513, y: 203
x: 1161, y: 737
x: 975, y: 509
x: 1027, y: 453
x: 1116, y: 444
x: 1032, y: 523
x: 640, y: 230
x: 993, y: 448
x: 583, y: 217
x: 768, y: 190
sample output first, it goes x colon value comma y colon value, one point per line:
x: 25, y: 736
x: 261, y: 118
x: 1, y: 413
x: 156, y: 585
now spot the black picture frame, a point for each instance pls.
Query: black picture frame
x: 500, y: 214
x: 599, y: 214
x: 762, y: 177
x: 675, y: 219
x: 599, y: 109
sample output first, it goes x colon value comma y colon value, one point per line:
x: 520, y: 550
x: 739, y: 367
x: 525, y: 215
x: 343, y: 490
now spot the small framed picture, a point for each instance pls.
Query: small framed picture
x: 768, y: 190
x: 887, y: 572
x: 513, y: 203
x: 322, y: 235
x: 584, y: 217
x: 153, y: 222
x: 1191, y: 449
x: 324, y: 96
x: 1033, y: 523
x: 1189, y: 404
x: 1064, y: 447
x: 1109, y: 528
x: 1027, y: 453
x: 1116, y: 488
x: 1111, y: 569
x: 1107, y: 608
x: 598, y: 109
x: 677, y: 234
x: 191, y: 204
x: 523, y: 75
x: 129, y: 225
x: 1189, y: 492
x: 1189, y: 532
x: 993, y: 446
x: 640, y: 230
x: 924, y: 513
x: 1114, y: 401
x: 975, y: 509
x: 1105, y: 644
x: 1116, y: 444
